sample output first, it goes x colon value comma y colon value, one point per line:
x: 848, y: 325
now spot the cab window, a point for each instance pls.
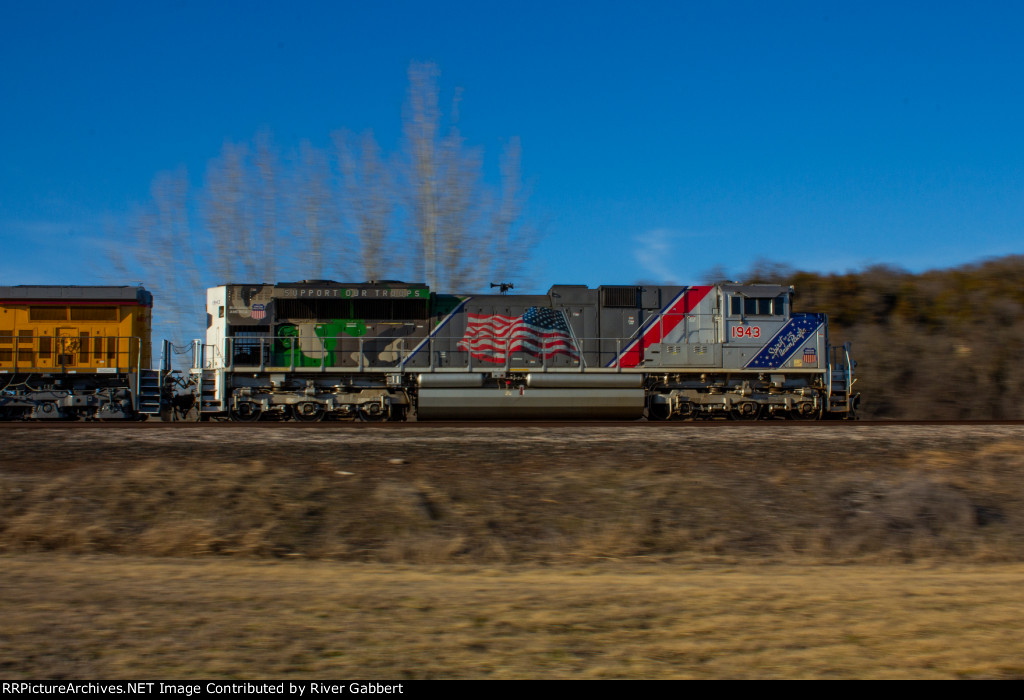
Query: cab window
x: 757, y: 306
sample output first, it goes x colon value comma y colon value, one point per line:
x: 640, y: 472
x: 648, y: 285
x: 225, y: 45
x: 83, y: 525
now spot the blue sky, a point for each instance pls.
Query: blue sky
x: 659, y: 139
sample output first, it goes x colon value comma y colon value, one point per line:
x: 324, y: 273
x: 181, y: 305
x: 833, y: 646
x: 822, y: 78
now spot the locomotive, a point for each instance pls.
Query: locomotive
x: 76, y: 352
x: 385, y: 350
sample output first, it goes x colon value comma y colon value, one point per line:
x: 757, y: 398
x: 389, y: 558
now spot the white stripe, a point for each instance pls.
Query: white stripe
x: 648, y: 325
x: 434, y: 332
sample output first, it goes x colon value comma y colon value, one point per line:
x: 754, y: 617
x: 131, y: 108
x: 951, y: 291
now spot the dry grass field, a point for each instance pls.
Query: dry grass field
x: 737, y: 551
x: 115, y: 617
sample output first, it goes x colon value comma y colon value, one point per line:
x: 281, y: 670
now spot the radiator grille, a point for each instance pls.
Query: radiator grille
x: 624, y: 297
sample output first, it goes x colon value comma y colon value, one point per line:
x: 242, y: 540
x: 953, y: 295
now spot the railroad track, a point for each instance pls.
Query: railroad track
x: 414, y: 425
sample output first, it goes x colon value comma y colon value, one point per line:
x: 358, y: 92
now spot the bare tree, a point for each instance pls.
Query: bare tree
x: 315, y: 210
x: 443, y: 190
x: 367, y: 194
x: 267, y: 192
x: 465, y: 232
x: 166, y: 249
x: 461, y: 234
x: 510, y: 234
x: 228, y: 219
x: 421, y: 132
x: 242, y: 211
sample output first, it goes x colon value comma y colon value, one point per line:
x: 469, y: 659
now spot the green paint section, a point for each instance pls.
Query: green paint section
x: 288, y: 351
x: 443, y: 305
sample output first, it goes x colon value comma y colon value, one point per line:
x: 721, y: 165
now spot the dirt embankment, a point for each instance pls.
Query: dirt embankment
x: 517, y: 495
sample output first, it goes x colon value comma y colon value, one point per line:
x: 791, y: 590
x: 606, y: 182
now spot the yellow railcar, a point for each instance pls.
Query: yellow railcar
x: 73, y: 351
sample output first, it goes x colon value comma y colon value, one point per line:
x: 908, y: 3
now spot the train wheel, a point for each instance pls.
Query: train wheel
x: 659, y: 411
x: 687, y: 412
x: 247, y: 412
x: 372, y: 413
x: 49, y: 410
x: 748, y: 410
x: 308, y: 412
x: 805, y: 411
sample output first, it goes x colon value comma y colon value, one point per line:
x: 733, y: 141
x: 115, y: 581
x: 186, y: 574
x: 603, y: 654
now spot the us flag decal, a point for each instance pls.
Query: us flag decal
x: 540, y: 332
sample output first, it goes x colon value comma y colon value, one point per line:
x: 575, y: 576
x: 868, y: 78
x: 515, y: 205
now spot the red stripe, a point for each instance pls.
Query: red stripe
x: 77, y: 302
x: 666, y: 321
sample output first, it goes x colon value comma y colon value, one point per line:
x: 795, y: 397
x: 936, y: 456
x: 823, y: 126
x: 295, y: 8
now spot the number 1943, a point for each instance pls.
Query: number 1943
x: 746, y: 331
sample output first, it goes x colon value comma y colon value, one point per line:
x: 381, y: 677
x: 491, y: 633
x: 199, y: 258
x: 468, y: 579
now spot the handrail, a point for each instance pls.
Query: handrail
x: 51, y: 353
x: 849, y: 371
x: 840, y: 361
x: 394, y: 354
x: 828, y: 389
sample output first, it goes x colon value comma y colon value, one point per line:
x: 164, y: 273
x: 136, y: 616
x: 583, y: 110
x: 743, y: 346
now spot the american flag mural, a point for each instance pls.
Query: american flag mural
x: 539, y: 331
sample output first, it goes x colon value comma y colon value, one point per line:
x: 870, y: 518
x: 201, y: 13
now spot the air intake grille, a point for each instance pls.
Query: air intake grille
x: 625, y: 297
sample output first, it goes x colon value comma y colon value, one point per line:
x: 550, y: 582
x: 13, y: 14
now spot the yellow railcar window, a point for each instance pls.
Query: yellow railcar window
x: 94, y: 313
x: 26, y: 345
x: 47, y: 313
